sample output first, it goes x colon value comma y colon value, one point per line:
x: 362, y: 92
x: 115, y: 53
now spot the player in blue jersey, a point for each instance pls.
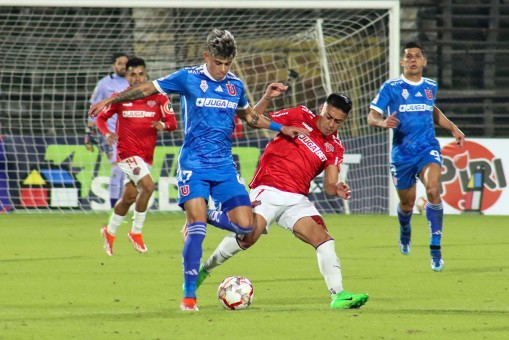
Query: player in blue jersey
x: 210, y: 96
x: 112, y: 83
x: 407, y: 105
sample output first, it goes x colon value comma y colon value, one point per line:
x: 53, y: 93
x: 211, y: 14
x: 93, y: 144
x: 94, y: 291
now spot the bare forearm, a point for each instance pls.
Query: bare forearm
x: 253, y: 118
x: 375, y: 119
x: 127, y: 96
x: 262, y: 105
x: 135, y: 92
x: 441, y: 120
x: 257, y: 120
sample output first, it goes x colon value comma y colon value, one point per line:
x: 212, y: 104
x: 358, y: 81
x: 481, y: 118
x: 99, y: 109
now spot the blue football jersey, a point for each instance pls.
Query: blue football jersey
x: 414, y: 104
x: 208, y: 110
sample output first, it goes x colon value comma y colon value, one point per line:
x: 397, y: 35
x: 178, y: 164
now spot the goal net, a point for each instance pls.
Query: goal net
x: 52, y: 58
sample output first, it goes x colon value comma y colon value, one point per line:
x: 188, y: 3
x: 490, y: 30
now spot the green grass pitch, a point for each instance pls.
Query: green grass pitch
x: 57, y: 283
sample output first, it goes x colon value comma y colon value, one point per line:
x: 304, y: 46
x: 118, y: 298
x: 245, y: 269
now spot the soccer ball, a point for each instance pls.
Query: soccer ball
x: 420, y: 204
x: 235, y: 292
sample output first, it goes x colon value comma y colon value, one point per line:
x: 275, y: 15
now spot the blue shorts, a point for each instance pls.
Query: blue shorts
x: 224, y: 185
x: 405, y: 174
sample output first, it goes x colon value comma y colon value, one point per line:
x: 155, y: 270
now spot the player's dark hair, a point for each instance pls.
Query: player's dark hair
x: 412, y: 44
x: 340, y: 101
x: 135, y: 62
x: 221, y: 44
x: 117, y: 55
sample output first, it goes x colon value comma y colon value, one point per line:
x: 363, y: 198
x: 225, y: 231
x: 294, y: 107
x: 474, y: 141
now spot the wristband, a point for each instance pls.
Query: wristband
x: 275, y: 126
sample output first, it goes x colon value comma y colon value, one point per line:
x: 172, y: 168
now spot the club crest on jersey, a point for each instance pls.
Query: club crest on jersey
x: 136, y: 171
x: 184, y: 190
x: 151, y: 103
x: 204, y: 86
x: 405, y: 93
x: 328, y: 147
x: 429, y: 94
x: 231, y: 89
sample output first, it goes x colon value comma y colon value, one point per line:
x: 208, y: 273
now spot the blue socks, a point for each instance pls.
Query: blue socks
x: 404, y: 219
x: 221, y: 220
x: 435, y: 216
x: 191, y: 256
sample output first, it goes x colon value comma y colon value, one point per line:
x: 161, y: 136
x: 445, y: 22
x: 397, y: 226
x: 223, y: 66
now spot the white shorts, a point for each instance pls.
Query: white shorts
x: 284, y: 208
x: 134, y: 168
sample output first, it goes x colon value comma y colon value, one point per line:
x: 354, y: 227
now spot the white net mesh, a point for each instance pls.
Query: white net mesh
x: 53, y: 57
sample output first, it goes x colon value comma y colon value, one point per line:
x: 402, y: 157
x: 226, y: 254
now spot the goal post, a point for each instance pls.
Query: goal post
x: 54, y: 52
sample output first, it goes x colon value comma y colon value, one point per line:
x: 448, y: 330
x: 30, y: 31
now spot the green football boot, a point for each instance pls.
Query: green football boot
x: 202, y: 275
x: 345, y: 300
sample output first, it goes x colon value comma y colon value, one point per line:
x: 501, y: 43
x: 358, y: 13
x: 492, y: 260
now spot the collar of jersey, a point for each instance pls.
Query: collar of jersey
x: 206, y: 71
x: 412, y: 82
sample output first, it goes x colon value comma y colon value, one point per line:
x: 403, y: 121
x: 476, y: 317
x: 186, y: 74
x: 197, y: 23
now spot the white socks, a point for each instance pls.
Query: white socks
x: 330, y: 268
x: 226, y: 249
x: 138, y: 220
x: 115, y: 222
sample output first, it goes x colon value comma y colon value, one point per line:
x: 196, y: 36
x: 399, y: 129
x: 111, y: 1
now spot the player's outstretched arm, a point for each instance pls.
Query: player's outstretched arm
x: 441, y: 120
x: 258, y: 121
x: 332, y: 187
x: 274, y: 90
x: 132, y: 93
x: 375, y: 119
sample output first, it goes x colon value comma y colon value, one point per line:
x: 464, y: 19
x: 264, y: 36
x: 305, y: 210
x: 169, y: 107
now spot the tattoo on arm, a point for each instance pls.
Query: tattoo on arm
x: 254, y: 119
x: 129, y: 95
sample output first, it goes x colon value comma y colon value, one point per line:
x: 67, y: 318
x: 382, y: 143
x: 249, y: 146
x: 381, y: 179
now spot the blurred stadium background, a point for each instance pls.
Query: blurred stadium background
x: 52, y: 58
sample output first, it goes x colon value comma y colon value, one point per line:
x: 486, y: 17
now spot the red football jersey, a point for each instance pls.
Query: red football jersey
x: 136, y: 136
x: 290, y: 164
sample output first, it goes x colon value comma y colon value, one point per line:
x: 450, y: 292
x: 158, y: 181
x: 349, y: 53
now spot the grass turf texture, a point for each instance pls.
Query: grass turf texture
x: 57, y: 283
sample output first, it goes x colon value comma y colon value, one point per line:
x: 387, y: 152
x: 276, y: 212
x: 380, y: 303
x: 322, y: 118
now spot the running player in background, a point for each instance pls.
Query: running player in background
x: 136, y: 134
x: 210, y: 97
x: 280, y: 188
x: 112, y: 83
x: 409, y: 102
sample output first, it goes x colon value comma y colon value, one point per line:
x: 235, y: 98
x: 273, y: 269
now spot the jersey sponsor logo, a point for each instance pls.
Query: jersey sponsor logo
x: 279, y: 114
x: 204, y: 86
x: 429, y: 94
x: 309, y: 128
x: 396, y: 82
x: 430, y: 81
x: 415, y: 107
x: 127, y: 104
x: 312, y: 147
x: 404, y: 93
x: 213, y: 102
x: 137, y: 114
x: 231, y: 89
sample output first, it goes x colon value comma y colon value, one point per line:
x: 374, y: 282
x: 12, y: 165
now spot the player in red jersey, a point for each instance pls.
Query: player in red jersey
x: 138, y: 124
x: 280, y: 187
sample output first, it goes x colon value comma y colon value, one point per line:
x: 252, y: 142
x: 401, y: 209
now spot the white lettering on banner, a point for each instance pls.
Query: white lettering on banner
x: 137, y: 114
x: 415, y: 107
x: 312, y: 147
